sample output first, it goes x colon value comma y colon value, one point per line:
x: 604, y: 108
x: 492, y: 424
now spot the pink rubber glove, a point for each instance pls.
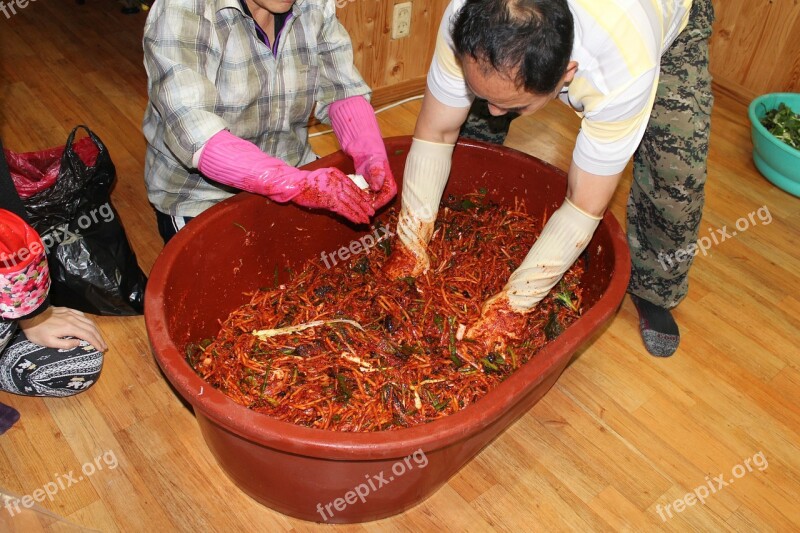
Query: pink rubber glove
x: 355, y: 126
x: 233, y: 161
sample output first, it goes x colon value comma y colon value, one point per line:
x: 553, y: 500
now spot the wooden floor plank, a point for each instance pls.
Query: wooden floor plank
x: 621, y: 436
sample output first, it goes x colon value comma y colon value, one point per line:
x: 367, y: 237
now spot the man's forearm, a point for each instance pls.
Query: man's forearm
x: 437, y: 122
x: 424, y: 179
x: 563, y: 239
x: 589, y: 192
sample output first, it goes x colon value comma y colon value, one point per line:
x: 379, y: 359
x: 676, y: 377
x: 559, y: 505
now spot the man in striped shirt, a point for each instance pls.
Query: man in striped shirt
x: 232, y: 85
x: 636, y: 71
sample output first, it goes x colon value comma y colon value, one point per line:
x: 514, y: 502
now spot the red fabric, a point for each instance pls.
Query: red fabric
x: 20, y: 245
x: 24, y: 276
x: 34, y: 172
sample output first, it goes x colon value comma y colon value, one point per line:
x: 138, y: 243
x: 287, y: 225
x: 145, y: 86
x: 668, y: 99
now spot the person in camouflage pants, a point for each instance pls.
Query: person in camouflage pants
x: 669, y: 168
x: 483, y: 126
x: 666, y: 200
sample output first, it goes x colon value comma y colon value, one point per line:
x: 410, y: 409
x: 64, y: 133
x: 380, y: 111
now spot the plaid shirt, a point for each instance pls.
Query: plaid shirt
x: 208, y: 71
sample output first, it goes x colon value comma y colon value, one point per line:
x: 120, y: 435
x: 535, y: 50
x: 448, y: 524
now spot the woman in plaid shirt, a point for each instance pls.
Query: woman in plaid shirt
x: 232, y: 85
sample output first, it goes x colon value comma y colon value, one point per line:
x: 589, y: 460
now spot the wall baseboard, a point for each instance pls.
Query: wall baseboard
x: 394, y: 93
x: 383, y: 96
x: 732, y: 89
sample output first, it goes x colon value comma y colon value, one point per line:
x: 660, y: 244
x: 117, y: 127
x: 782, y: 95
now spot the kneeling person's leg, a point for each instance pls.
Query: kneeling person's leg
x: 33, y: 370
x: 169, y: 225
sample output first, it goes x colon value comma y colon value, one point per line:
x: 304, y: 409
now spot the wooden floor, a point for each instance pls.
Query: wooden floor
x: 620, y: 437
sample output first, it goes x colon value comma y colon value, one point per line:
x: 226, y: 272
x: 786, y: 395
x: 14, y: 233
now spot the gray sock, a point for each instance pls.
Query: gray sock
x: 659, y: 330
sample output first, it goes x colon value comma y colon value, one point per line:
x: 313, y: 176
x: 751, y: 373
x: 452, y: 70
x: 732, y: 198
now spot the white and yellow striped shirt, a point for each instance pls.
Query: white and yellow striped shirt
x: 618, y: 47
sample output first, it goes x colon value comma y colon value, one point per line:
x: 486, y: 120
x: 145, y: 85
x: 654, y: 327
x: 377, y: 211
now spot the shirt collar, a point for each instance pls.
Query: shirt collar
x: 225, y: 4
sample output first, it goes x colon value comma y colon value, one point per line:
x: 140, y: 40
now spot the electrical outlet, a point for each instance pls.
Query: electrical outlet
x: 401, y: 20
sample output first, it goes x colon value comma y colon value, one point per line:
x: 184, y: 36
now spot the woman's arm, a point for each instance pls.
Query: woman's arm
x: 62, y: 328
x: 338, y: 76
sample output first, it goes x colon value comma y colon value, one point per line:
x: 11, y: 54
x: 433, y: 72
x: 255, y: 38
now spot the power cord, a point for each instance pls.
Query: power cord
x: 381, y: 110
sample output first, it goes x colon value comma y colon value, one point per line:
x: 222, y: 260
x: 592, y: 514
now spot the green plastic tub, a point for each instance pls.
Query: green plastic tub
x: 776, y: 160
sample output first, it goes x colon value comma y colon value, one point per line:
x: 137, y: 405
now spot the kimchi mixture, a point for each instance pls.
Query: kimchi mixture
x: 347, y: 349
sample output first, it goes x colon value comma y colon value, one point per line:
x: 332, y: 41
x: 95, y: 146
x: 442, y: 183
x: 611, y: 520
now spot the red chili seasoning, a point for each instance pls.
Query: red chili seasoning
x: 388, y: 353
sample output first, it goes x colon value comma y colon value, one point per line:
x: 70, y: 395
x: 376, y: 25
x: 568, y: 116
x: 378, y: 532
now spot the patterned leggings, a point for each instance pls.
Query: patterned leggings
x: 33, y: 370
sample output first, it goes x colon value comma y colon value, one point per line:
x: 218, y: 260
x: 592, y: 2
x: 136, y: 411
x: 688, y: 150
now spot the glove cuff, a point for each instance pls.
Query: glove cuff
x: 353, y: 118
x: 231, y: 160
x: 562, y: 241
x: 427, y: 169
x: 228, y: 159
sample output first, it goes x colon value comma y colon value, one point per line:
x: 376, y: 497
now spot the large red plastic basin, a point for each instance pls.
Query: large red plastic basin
x: 203, y: 273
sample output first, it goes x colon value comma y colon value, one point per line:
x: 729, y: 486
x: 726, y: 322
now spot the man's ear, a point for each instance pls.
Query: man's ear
x: 572, y: 68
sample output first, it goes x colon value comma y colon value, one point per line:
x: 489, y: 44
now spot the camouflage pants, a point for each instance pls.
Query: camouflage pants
x: 482, y: 126
x: 669, y: 167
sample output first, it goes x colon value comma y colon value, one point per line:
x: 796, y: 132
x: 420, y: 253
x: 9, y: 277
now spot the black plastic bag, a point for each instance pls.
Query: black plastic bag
x: 92, y: 265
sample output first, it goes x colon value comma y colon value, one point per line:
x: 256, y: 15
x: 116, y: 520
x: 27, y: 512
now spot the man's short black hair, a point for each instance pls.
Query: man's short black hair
x: 531, y: 39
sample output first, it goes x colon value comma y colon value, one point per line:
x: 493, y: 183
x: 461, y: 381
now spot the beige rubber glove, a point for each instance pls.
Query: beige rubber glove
x: 562, y: 241
x: 427, y: 169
